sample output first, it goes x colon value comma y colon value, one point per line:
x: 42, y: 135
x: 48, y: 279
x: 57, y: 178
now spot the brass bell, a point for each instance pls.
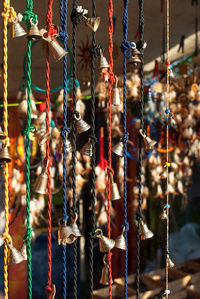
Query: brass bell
x: 41, y: 183
x: 34, y: 32
x: 17, y: 29
x: 63, y: 234
x: 120, y: 242
x: 163, y: 175
x: 116, y: 97
x: 81, y: 125
x: 87, y: 149
x: 149, y: 143
x: 42, y: 136
x: 118, y: 149
x: 15, y: 256
x: 75, y: 230
x: 145, y: 232
x: 4, y: 155
x: 93, y: 23
x: 56, y: 49
x: 2, y: 135
x: 105, y: 273
x: 103, y: 62
x: 105, y: 243
x: 23, y: 251
x: 114, y: 190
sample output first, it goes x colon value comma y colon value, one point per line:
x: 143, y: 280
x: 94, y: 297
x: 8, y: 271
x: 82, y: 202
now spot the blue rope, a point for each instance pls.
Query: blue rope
x: 64, y: 36
x: 126, y: 48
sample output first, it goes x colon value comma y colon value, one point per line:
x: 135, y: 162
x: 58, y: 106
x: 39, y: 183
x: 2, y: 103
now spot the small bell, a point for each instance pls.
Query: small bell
x: 149, y: 143
x: 23, y: 251
x: 63, y: 234
x: 34, y: 32
x: 116, y: 96
x: 4, y: 155
x: 93, y: 23
x: 81, y: 125
x: 15, y: 256
x: 103, y: 62
x: 114, y: 190
x: 120, y: 242
x: 56, y: 49
x: 170, y: 263
x: 75, y: 229
x: 87, y: 149
x: 105, y: 243
x: 17, y: 29
x: 42, y: 136
x: 105, y: 273
x: 118, y: 149
x: 2, y: 135
x: 41, y: 183
x: 145, y: 232
x: 163, y: 216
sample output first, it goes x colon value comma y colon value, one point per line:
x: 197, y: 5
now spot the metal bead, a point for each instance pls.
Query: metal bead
x: 120, y: 242
x: 114, y: 190
x: 145, y: 232
x: 15, y: 256
x: 87, y: 149
x: 17, y: 29
x: 63, y: 234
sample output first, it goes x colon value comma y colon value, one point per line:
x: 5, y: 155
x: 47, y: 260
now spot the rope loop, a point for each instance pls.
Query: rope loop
x: 9, y: 14
x: 27, y: 16
x: 52, y: 31
x: 126, y: 48
x: 126, y: 226
x: 96, y: 51
x: 6, y: 141
x: 28, y: 234
x: 63, y: 34
x: 64, y: 130
x: 7, y: 238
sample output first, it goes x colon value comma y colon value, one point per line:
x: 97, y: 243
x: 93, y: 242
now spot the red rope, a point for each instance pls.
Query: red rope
x: 49, y: 26
x: 110, y: 81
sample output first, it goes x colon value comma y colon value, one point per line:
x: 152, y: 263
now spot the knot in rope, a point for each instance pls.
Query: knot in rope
x: 112, y: 77
x: 141, y: 45
x: 50, y: 290
x: 64, y: 130
x: 96, y: 51
x: 9, y: 14
x: 52, y: 31
x: 93, y: 235
x: 28, y: 234
x: 77, y: 17
x: 125, y: 138
x: 126, y: 226
x: 28, y: 130
x: 6, y: 141
x: 63, y: 34
x: 126, y: 47
x: 110, y: 171
x: 76, y: 113
x: 27, y: 15
x: 7, y: 238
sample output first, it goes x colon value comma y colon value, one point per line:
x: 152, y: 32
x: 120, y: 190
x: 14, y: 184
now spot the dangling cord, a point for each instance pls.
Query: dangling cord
x: 93, y: 158
x: 7, y: 15
x: 73, y: 173
x: 50, y: 28
x: 27, y: 15
x: 65, y: 130
x: 167, y: 157
x: 110, y: 51
x: 141, y: 111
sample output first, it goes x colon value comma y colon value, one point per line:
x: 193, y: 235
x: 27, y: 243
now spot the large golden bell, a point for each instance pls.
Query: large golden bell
x: 4, y: 155
x: 56, y: 49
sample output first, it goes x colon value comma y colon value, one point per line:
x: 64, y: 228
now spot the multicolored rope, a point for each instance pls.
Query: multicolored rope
x: 8, y: 14
x: 65, y: 130
x: 125, y: 47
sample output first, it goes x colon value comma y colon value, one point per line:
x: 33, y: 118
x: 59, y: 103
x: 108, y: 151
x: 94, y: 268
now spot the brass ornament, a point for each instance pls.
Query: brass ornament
x: 114, y: 190
x: 149, y: 143
x: 105, y: 243
x: 34, y: 32
x: 118, y: 149
x: 144, y: 231
x: 81, y: 125
x: 120, y: 242
x: 4, y: 155
x: 41, y: 183
x: 87, y: 149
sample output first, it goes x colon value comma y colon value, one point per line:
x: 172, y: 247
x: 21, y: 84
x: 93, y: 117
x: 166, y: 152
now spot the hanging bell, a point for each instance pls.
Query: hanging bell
x: 163, y: 216
x: 56, y: 49
x: 34, y: 32
x: 120, y: 242
x: 23, y: 251
x: 118, y: 149
x: 15, y: 256
x: 81, y: 125
x: 105, y: 273
x: 145, y: 232
x: 2, y: 135
x: 75, y: 230
x: 63, y: 234
x: 114, y: 190
x: 87, y: 149
x: 170, y: 263
x: 105, y: 243
x: 4, y: 155
x: 149, y: 143
x: 17, y: 29
x: 41, y: 183
x: 93, y: 23
x: 116, y: 96
x: 103, y: 62
x: 42, y: 136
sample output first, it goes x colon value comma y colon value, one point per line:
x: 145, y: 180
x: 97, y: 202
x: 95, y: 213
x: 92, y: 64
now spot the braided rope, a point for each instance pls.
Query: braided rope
x: 110, y: 51
x: 65, y: 129
x: 141, y: 109
x: 93, y: 158
x: 125, y: 47
x: 73, y: 173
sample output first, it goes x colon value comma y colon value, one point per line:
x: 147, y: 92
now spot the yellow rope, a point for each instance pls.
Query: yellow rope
x: 8, y: 15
